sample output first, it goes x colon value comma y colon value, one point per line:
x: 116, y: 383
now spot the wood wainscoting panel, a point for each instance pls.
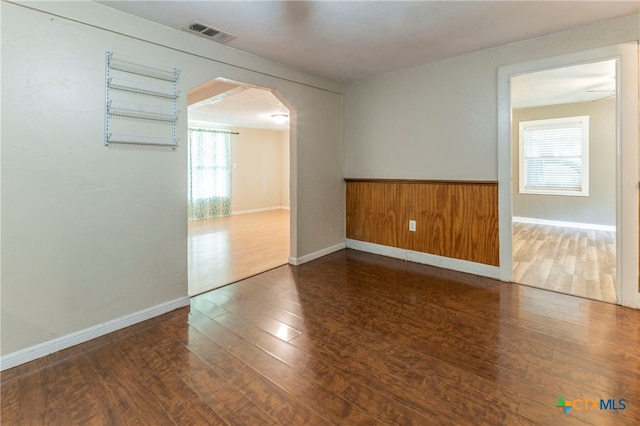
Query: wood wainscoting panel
x: 476, y: 223
x: 372, y: 213
x: 432, y: 208
x: 456, y: 219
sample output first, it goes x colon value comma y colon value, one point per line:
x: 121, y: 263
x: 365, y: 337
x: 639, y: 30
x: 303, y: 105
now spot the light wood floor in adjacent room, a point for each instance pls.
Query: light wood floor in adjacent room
x: 581, y: 262
x: 347, y: 339
x: 228, y: 249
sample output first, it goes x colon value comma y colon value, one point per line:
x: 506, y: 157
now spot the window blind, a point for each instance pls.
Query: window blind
x: 553, y: 155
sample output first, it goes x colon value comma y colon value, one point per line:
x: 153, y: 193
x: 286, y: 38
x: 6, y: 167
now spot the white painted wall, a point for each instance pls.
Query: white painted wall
x: 599, y: 208
x: 91, y: 234
x: 438, y: 121
x: 260, y: 170
x: 285, y: 184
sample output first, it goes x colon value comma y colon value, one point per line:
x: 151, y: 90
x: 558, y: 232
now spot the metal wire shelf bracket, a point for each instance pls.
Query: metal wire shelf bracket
x: 141, y: 140
x: 132, y: 66
x: 154, y: 87
x: 142, y: 89
x: 141, y: 112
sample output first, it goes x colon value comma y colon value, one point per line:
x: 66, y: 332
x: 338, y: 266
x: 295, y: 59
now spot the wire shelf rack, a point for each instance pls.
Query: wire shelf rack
x: 141, y: 98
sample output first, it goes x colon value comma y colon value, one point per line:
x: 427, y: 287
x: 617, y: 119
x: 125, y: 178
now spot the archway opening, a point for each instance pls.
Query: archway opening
x: 238, y: 184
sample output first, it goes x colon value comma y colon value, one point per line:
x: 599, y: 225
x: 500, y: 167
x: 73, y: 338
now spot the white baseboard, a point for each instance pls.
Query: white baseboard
x: 64, y: 342
x: 427, y: 259
x: 316, y: 254
x: 265, y: 209
x: 593, y: 226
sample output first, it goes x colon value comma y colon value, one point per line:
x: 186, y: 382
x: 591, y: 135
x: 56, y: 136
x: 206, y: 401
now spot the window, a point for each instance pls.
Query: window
x: 209, y: 173
x: 554, y: 156
x: 210, y: 165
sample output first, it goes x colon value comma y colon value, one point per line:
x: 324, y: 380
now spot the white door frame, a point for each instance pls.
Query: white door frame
x: 626, y: 56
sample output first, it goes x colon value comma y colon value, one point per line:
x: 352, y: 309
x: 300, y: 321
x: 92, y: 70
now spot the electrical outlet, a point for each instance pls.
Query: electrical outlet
x: 412, y: 225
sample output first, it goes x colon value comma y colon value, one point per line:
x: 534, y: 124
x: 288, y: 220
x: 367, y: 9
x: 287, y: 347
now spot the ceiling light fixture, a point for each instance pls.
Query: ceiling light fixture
x: 280, y: 118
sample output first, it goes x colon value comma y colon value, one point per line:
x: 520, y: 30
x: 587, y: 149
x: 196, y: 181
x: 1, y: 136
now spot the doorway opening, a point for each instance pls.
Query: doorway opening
x: 563, y: 127
x: 625, y: 57
x: 239, y: 197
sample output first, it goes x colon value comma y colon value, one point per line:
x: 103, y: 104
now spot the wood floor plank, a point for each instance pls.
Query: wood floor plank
x: 79, y: 404
x: 568, y: 260
x: 238, y: 325
x: 213, y: 330
x: 23, y: 400
x: 305, y: 364
x: 128, y: 400
x: 373, y: 384
x: 218, y: 358
x: 207, y: 307
x: 227, y: 249
x: 284, y: 408
x: 269, y: 397
x: 415, y: 339
x: 314, y: 395
x: 227, y: 401
x: 195, y: 412
x: 382, y: 407
x: 352, y: 338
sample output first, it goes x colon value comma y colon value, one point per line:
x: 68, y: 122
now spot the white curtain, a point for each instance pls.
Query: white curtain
x: 209, y: 176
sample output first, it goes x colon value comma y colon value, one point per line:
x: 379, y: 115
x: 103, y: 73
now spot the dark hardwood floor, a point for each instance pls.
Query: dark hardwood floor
x: 351, y: 338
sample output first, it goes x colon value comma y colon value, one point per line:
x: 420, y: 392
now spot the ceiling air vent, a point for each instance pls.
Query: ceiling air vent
x: 209, y: 32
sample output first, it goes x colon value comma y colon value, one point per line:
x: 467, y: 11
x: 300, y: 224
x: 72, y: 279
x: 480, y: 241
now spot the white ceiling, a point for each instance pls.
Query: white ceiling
x: 239, y: 107
x: 578, y: 83
x: 352, y: 40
